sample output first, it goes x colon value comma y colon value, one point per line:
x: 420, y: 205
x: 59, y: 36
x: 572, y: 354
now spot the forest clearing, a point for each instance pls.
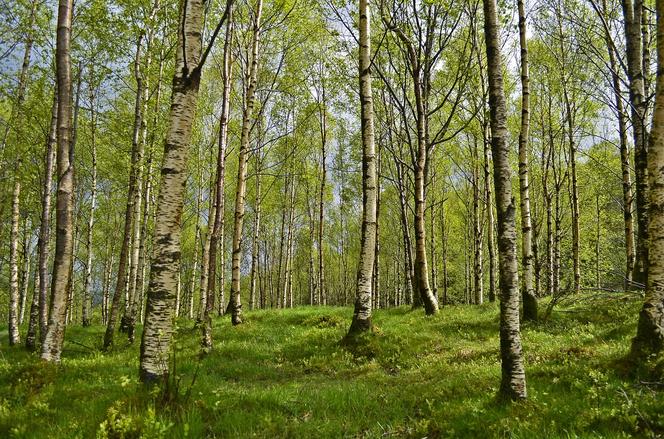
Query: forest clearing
x: 285, y: 374
x: 332, y: 218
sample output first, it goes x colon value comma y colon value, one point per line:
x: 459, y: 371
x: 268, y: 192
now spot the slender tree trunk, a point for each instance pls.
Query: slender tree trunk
x: 444, y: 233
x: 632, y: 12
x: 164, y: 273
x: 197, y: 239
x: 490, y: 225
x: 71, y: 290
x: 87, y: 289
x: 178, y: 295
x: 362, y: 312
x: 288, y: 274
x: 434, y: 259
x: 478, y: 274
x: 205, y: 260
x: 124, y: 276
x: 513, y: 383
x: 255, y: 238
x: 25, y: 270
x: 282, y: 240
x: 54, y: 337
x: 649, y: 340
x: 407, y: 243
x: 139, y: 303
x: 574, y: 194
x: 421, y: 265
x: 598, y: 220
x: 321, y: 209
x: 14, y: 335
x: 628, y: 203
x: 527, y: 293
x: 129, y: 319
x: 39, y: 306
x: 107, y: 281
x: 241, y: 189
x: 311, y: 274
x: 376, y: 270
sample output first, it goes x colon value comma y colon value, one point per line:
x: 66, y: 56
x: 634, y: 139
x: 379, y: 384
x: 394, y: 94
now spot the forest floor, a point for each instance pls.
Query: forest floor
x: 284, y: 374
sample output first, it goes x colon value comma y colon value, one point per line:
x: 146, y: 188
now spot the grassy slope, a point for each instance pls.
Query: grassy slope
x: 284, y: 374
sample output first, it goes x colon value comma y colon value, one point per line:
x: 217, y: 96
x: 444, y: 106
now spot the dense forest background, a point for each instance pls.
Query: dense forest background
x: 303, y: 198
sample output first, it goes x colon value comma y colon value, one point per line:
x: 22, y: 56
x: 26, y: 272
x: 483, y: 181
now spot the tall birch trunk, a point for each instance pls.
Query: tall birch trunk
x: 322, y: 110
x: 513, y: 383
x: 54, y: 337
x: 25, y: 270
x: 217, y: 234
x: 649, y: 338
x: 255, y: 238
x: 527, y: 292
x: 632, y: 13
x: 14, y: 335
x: 628, y: 198
x: 362, y: 312
x: 164, y: 273
x: 241, y: 189
x: 39, y: 306
x: 478, y: 248
x: 124, y: 276
x: 490, y: 224
x: 87, y: 288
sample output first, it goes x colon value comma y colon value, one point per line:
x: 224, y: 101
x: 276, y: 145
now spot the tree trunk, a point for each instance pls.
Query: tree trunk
x: 628, y: 203
x: 362, y: 312
x: 513, y: 383
x: 443, y: 232
x: 54, y: 337
x: 39, y: 305
x: 527, y: 293
x: 164, y: 273
x: 241, y: 189
x: 405, y: 227
x: 25, y: 270
x: 649, y: 340
x: 255, y: 238
x: 14, y: 335
x: 147, y: 207
x: 197, y: 239
x: 478, y: 273
x: 287, y: 301
x: 375, y: 287
x: 137, y: 238
x: 598, y: 219
x: 322, y: 109
x: 124, y: 276
x: 490, y: 225
x: 632, y: 12
x: 87, y: 289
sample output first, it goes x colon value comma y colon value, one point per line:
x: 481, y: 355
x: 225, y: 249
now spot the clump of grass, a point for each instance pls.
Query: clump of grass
x: 324, y: 321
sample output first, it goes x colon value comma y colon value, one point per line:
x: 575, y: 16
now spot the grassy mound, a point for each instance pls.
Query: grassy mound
x: 284, y: 373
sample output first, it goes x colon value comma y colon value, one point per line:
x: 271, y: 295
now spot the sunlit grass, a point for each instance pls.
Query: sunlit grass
x: 285, y: 374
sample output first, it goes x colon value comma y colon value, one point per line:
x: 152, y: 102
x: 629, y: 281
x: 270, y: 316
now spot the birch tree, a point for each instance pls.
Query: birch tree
x: 165, y: 269
x: 513, y: 382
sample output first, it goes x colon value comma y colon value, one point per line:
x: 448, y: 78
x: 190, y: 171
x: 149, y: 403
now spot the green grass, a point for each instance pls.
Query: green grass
x: 285, y: 374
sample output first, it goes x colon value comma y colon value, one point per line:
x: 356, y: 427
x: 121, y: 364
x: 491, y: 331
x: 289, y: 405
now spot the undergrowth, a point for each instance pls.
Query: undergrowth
x: 285, y: 373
